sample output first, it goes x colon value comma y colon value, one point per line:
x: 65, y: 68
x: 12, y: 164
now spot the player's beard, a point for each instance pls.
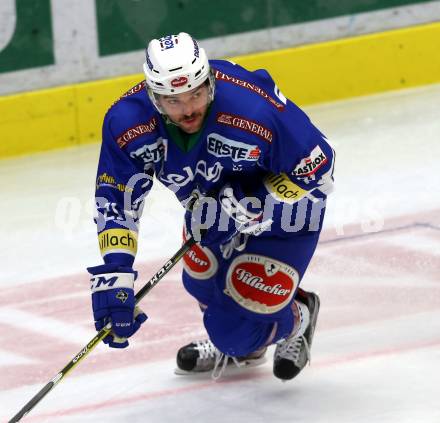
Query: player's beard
x: 191, y: 123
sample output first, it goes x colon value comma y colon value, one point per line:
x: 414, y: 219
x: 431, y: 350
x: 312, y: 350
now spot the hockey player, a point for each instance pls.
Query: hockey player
x: 252, y: 172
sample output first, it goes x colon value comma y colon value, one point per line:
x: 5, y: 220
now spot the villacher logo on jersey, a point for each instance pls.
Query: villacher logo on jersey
x: 118, y: 241
x: 261, y: 284
x: 283, y: 189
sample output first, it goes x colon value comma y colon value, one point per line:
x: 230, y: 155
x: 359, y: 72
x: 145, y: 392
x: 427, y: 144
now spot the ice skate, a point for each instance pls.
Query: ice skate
x: 203, y: 356
x: 292, y: 354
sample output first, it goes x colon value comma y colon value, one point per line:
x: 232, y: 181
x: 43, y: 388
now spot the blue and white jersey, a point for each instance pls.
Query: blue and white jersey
x: 251, y: 134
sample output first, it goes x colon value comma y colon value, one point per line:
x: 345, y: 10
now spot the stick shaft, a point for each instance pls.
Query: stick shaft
x: 102, y: 333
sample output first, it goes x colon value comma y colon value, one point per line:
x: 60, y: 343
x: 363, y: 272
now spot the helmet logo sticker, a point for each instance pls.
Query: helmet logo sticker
x: 168, y: 42
x: 179, y: 82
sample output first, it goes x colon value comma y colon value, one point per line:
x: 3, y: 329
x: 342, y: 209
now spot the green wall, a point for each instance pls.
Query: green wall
x: 58, y: 42
x: 124, y: 25
x: 32, y: 43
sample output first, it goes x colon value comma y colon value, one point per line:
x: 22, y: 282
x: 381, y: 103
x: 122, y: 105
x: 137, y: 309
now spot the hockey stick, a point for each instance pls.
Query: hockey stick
x: 102, y: 333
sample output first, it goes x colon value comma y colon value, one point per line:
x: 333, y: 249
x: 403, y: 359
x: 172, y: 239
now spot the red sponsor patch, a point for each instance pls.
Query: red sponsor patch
x: 311, y: 164
x: 252, y: 87
x: 200, y: 262
x: 245, y: 124
x: 261, y: 284
x: 131, y: 134
x: 179, y: 82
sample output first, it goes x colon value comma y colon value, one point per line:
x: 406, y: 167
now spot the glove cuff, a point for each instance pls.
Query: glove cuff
x: 106, y: 281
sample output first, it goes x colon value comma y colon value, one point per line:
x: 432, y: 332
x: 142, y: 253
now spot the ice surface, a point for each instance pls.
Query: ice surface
x: 376, y: 354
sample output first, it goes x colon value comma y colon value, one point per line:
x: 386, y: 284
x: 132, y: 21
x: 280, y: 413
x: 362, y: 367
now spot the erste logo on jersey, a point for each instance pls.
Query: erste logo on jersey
x: 151, y: 153
x: 310, y: 165
x: 245, y: 124
x: 133, y: 133
x: 220, y: 146
x: 261, y: 284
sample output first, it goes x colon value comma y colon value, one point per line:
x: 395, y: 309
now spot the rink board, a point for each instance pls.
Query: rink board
x: 72, y: 115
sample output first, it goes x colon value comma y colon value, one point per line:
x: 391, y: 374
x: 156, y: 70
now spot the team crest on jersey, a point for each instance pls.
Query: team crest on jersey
x: 261, y: 284
x: 308, y: 166
x: 220, y: 146
x: 133, y: 133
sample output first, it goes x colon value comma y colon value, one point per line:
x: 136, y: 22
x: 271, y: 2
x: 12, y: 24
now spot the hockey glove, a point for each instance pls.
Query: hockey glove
x: 113, y: 301
x: 215, y: 220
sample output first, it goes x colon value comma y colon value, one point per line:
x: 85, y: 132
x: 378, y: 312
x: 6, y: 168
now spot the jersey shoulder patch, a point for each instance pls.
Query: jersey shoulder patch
x: 128, y: 121
x: 258, y: 87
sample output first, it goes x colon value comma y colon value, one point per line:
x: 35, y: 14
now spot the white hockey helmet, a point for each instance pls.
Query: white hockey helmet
x: 176, y: 64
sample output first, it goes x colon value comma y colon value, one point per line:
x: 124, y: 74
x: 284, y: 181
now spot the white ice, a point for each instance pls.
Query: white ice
x: 376, y: 353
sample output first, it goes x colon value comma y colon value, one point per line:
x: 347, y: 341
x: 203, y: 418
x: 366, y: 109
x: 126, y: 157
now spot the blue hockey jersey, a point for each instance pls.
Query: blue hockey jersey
x: 251, y: 134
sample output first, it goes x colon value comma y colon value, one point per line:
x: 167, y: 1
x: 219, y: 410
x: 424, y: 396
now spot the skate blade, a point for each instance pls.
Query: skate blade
x: 245, y: 364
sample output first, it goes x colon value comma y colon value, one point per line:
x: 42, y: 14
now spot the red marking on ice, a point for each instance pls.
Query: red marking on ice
x: 171, y: 325
x: 168, y: 327
x: 354, y: 229
x: 251, y: 374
